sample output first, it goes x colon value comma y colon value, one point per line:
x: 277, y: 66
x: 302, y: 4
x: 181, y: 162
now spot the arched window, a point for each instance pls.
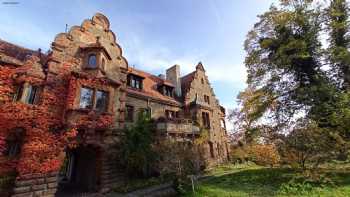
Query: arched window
x: 14, y: 142
x: 92, y: 61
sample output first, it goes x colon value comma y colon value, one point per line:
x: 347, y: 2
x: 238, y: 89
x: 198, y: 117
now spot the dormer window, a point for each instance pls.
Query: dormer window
x: 92, y: 61
x: 168, y: 91
x: 135, y: 81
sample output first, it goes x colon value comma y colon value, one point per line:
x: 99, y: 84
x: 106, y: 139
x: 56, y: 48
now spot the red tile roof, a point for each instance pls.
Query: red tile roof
x: 15, y: 51
x: 19, y: 53
x: 150, y: 86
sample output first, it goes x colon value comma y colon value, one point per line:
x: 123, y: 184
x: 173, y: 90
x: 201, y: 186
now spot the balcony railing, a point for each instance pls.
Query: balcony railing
x: 178, y: 127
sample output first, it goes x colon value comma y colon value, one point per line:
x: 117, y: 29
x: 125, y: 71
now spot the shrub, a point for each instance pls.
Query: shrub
x: 263, y: 154
x: 137, y: 153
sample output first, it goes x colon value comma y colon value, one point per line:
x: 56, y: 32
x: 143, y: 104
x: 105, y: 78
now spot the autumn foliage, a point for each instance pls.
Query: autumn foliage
x: 261, y: 154
x: 46, y: 131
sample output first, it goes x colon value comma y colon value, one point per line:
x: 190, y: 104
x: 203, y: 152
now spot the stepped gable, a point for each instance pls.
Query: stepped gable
x: 186, y: 82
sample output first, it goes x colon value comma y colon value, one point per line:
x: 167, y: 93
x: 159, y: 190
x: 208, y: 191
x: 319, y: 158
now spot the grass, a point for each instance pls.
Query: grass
x: 252, y: 180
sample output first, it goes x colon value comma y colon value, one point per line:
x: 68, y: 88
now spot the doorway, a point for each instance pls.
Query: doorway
x: 79, y: 172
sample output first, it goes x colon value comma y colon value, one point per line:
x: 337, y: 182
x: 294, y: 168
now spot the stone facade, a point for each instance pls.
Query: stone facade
x: 101, y: 86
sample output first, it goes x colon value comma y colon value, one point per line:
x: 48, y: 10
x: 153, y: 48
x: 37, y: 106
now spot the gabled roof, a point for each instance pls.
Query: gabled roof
x: 150, y: 86
x: 200, y: 66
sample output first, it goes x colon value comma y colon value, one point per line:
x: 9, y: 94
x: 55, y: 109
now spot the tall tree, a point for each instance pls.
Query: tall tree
x: 285, y: 61
x: 284, y: 58
x: 339, y: 41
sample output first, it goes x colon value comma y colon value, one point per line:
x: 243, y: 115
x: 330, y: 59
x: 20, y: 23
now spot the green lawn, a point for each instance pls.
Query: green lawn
x: 258, y: 181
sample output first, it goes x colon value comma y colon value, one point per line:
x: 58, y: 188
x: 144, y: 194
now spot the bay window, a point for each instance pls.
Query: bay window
x: 93, y: 99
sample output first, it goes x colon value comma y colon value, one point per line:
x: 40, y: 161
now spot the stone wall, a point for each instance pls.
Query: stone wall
x: 158, y: 109
x: 36, y: 185
x: 200, y: 87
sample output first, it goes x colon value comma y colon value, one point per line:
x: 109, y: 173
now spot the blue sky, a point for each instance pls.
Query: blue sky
x: 154, y: 34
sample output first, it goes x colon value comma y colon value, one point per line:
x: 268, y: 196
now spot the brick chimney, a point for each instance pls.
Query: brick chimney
x: 173, y: 75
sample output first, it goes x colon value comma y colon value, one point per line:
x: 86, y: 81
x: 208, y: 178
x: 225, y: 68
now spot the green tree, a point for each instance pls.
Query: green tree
x: 287, y: 82
x: 337, y: 16
x: 138, y: 155
x: 284, y: 58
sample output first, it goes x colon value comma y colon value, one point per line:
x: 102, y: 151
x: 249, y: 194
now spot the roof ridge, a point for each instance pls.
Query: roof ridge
x: 17, y: 45
x: 149, y: 73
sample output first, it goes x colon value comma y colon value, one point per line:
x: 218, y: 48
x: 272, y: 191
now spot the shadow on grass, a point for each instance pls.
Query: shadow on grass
x: 257, y: 182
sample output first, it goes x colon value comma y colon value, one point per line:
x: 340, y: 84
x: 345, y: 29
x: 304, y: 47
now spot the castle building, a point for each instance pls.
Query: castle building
x: 85, y: 83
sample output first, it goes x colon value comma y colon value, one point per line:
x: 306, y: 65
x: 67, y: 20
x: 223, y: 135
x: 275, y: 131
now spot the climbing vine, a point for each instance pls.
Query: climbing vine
x: 46, y: 131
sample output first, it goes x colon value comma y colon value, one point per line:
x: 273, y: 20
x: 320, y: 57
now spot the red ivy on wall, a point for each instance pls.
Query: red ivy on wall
x: 46, y: 134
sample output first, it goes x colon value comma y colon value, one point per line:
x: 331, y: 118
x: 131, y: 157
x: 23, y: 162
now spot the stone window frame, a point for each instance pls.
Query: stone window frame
x: 211, y: 149
x: 24, y: 93
x: 94, y: 99
x: 206, y: 119
x: 101, y: 60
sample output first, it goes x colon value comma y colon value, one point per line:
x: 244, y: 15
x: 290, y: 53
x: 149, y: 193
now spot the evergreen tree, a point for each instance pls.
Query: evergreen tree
x: 339, y: 42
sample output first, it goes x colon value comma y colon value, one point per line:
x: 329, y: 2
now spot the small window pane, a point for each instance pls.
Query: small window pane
x: 103, y: 64
x: 18, y: 93
x: 168, y: 91
x: 86, y: 98
x: 14, y: 142
x: 101, y: 100
x: 32, y: 94
x: 170, y: 114
x: 92, y: 61
x: 146, y: 112
x: 135, y: 82
x: 129, y: 113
